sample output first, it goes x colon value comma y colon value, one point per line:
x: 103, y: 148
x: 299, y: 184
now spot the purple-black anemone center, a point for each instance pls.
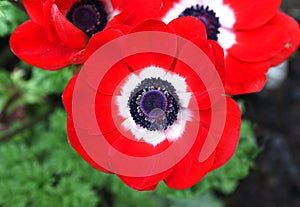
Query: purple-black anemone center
x: 208, y: 17
x: 88, y: 15
x: 154, y: 104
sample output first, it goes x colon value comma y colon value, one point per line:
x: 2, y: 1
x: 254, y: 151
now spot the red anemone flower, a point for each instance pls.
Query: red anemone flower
x: 253, y: 33
x: 150, y: 103
x: 58, y: 30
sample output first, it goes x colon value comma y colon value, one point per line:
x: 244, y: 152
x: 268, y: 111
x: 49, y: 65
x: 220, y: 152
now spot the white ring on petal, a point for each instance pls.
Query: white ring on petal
x: 226, y: 38
x: 152, y: 72
x: 152, y: 137
x: 173, y: 132
x: 109, y: 9
x: 177, y: 9
x: 184, y: 99
x: 122, y: 102
x: 186, y: 114
x: 130, y: 85
x: 177, y: 81
x: 177, y: 129
x: 224, y: 12
x: 112, y: 14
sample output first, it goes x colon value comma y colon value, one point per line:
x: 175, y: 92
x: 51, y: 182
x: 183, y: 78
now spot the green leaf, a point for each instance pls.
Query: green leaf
x: 10, y: 17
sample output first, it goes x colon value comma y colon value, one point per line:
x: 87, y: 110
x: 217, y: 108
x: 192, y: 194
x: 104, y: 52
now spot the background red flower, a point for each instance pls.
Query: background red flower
x: 254, y: 35
x: 58, y: 30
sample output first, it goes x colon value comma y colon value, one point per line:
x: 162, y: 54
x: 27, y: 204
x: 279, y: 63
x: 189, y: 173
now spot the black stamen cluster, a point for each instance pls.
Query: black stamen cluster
x: 88, y: 15
x: 171, y: 110
x: 208, y: 17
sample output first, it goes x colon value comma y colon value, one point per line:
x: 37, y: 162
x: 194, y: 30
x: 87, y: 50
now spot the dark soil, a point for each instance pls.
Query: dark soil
x: 275, y: 179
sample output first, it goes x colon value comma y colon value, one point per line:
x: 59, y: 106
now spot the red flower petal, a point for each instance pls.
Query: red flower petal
x: 144, y: 183
x: 188, y: 27
x: 125, y: 29
x: 142, y: 60
x: 167, y: 5
x: 151, y: 25
x: 72, y: 136
x: 252, y: 14
x: 291, y: 28
x: 189, y: 170
x: 81, y: 105
x: 195, y: 84
x: 29, y: 42
x: 194, y: 76
x: 138, y: 10
x: 213, y: 51
x: 126, y: 143
x: 218, y: 61
x: 48, y: 23
x: 70, y: 35
x: 260, y: 44
x: 64, y: 5
x: 121, y: 143
x: 34, y: 9
x: 104, y: 114
x: 100, y: 39
x: 230, y: 137
x: 113, y: 78
x: 68, y: 94
x: 39, y: 12
x: 114, y: 3
x: 244, y: 77
x: 75, y: 143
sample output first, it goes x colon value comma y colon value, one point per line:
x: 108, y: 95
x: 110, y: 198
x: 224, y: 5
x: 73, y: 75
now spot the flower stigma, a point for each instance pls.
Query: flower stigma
x: 154, y: 104
x: 88, y: 15
x: 207, y: 16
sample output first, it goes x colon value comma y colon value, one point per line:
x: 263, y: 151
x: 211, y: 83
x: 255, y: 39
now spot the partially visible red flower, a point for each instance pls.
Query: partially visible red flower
x: 148, y: 102
x: 58, y: 30
x: 253, y: 33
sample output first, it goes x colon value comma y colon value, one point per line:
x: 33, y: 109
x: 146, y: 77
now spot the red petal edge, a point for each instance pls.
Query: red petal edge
x: 244, y: 77
x: 252, y: 14
x: 29, y: 42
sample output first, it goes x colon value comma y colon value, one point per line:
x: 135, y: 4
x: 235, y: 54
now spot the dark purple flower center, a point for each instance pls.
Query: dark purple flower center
x: 154, y: 104
x: 208, y: 17
x: 88, y: 15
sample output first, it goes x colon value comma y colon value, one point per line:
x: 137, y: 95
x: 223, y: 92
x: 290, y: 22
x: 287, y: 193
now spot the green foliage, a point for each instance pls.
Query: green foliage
x: 33, y: 91
x: 5, y: 90
x: 10, y: 17
x: 40, y: 169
